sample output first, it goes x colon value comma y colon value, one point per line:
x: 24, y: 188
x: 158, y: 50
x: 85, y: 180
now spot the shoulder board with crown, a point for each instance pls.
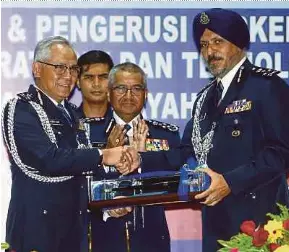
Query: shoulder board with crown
x: 26, y: 96
x: 168, y: 126
x: 206, y: 87
x: 92, y: 119
x: 266, y: 72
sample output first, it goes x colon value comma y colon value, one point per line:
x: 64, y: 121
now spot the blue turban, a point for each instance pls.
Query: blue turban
x: 226, y: 23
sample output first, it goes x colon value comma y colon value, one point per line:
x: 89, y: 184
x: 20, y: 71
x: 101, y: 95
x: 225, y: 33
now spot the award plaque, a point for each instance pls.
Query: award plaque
x: 160, y: 187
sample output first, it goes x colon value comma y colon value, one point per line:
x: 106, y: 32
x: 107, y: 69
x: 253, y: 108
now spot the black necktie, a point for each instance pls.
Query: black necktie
x: 64, y: 113
x: 127, y: 127
x: 218, y: 93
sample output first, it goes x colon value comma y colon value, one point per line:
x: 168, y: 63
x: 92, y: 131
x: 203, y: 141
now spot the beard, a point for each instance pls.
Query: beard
x: 217, y: 71
x: 214, y: 65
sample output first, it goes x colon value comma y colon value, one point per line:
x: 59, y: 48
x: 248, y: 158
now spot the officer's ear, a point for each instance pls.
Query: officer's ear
x: 145, y: 98
x: 36, y: 69
x: 78, y: 84
x: 108, y: 96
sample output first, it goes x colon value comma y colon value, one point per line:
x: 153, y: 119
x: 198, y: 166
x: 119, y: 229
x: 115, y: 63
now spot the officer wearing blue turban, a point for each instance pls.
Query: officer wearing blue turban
x: 226, y: 23
x: 238, y: 131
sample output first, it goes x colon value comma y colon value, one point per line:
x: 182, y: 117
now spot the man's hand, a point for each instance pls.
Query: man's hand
x: 134, y: 160
x: 119, y: 212
x: 116, y: 137
x: 140, y: 131
x: 118, y: 156
x: 218, y: 189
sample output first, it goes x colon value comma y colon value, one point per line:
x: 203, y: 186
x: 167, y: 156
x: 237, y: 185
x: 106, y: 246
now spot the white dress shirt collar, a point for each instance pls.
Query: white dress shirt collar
x: 227, y: 79
x: 119, y: 121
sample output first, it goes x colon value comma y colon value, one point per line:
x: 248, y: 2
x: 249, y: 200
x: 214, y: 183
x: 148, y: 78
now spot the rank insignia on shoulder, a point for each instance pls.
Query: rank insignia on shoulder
x: 153, y: 144
x: 168, y: 126
x: 238, y: 106
x: 25, y: 96
x: 92, y: 119
x: 73, y: 106
x: 267, y: 72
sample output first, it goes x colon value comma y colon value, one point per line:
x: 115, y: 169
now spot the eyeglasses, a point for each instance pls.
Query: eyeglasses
x: 61, y: 68
x: 122, y: 89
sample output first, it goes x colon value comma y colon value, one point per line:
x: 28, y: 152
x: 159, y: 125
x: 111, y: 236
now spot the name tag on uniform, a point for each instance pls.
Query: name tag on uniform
x: 153, y: 144
x: 100, y: 145
x: 239, y: 106
x: 54, y: 122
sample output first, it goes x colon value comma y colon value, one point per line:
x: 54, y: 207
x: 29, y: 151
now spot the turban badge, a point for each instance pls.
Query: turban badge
x: 204, y: 19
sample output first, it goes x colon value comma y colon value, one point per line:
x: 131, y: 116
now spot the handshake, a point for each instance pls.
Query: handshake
x: 126, y: 159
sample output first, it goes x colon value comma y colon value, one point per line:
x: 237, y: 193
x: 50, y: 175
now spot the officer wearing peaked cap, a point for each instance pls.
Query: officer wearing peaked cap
x: 239, y: 130
x: 141, y: 229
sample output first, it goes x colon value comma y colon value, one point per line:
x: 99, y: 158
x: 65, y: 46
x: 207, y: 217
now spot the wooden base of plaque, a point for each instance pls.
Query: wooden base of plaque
x: 165, y: 199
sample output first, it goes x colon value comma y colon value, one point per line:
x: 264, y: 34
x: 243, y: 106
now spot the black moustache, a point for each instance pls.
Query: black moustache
x: 214, y: 58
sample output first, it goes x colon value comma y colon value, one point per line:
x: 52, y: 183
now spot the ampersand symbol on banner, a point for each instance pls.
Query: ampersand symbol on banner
x: 16, y: 33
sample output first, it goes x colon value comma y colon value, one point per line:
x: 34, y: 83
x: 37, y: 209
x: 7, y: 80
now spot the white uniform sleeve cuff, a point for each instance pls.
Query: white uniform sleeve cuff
x: 105, y: 216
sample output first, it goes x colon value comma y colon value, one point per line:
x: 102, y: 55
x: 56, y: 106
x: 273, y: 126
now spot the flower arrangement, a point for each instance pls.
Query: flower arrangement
x: 273, y: 236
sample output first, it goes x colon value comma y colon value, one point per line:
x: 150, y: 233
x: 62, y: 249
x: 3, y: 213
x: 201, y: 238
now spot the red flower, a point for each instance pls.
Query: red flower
x: 273, y: 246
x: 286, y: 224
x: 234, y: 250
x: 248, y: 227
x: 260, y: 237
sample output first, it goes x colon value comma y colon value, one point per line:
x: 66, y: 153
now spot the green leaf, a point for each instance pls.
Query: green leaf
x: 224, y: 250
x: 238, y: 241
x: 244, y: 243
x: 284, y: 213
x: 4, y: 245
